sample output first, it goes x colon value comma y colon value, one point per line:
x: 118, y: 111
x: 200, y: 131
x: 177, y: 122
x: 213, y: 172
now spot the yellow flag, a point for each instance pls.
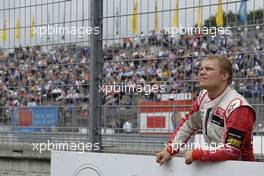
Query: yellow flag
x: 4, y: 32
x: 134, y: 17
x: 32, y: 28
x: 156, y: 17
x: 199, y: 15
x: 219, y: 15
x: 176, y: 15
x: 17, y: 29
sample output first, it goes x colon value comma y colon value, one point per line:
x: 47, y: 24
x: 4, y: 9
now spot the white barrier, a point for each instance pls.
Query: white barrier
x: 101, y: 164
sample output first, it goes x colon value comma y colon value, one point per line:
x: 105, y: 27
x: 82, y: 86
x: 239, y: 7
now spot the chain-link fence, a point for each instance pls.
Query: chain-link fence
x: 45, y: 55
x: 154, y: 46
x: 136, y: 61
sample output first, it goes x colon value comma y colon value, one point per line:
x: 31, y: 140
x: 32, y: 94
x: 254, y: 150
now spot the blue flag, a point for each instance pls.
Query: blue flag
x: 243, y: 10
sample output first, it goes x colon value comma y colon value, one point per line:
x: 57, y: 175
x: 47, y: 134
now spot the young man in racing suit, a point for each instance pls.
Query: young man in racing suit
x: 224, y: 116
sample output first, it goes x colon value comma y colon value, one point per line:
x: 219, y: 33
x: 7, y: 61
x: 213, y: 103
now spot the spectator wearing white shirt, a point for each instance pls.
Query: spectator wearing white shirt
x: 127, y: 127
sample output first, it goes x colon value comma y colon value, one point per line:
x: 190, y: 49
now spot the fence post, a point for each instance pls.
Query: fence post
x: 96, y: 13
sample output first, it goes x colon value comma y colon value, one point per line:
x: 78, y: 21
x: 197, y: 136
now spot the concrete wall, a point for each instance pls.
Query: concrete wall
x: 22, y: 161
x: 24, y: 167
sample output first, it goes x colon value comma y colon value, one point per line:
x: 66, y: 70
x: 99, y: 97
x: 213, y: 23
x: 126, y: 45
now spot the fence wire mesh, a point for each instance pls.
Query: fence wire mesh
x: 147, y: 68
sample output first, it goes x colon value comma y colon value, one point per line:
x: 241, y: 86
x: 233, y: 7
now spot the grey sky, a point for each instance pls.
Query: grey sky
x: 77, y: 9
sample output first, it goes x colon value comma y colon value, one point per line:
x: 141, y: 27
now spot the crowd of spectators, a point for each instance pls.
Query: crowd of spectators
x: 60, y: 74
x: 174, y: 62
x: 33, y: 76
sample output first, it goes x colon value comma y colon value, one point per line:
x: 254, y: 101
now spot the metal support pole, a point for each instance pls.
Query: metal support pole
x: 96, y: 14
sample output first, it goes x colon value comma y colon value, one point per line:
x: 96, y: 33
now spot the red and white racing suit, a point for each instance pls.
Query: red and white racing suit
x: 226, y: 121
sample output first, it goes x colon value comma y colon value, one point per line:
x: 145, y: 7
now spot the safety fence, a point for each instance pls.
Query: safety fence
x: 120, y: 73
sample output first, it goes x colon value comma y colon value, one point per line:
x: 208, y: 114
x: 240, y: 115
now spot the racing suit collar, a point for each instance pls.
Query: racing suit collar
x: 211, y: 103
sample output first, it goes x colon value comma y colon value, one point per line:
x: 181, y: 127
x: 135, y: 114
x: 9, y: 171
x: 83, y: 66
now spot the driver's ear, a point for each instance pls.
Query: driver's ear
x: 224, y: 76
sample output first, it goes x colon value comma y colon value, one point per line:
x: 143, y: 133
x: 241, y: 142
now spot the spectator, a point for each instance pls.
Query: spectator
x: 127, y: 127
